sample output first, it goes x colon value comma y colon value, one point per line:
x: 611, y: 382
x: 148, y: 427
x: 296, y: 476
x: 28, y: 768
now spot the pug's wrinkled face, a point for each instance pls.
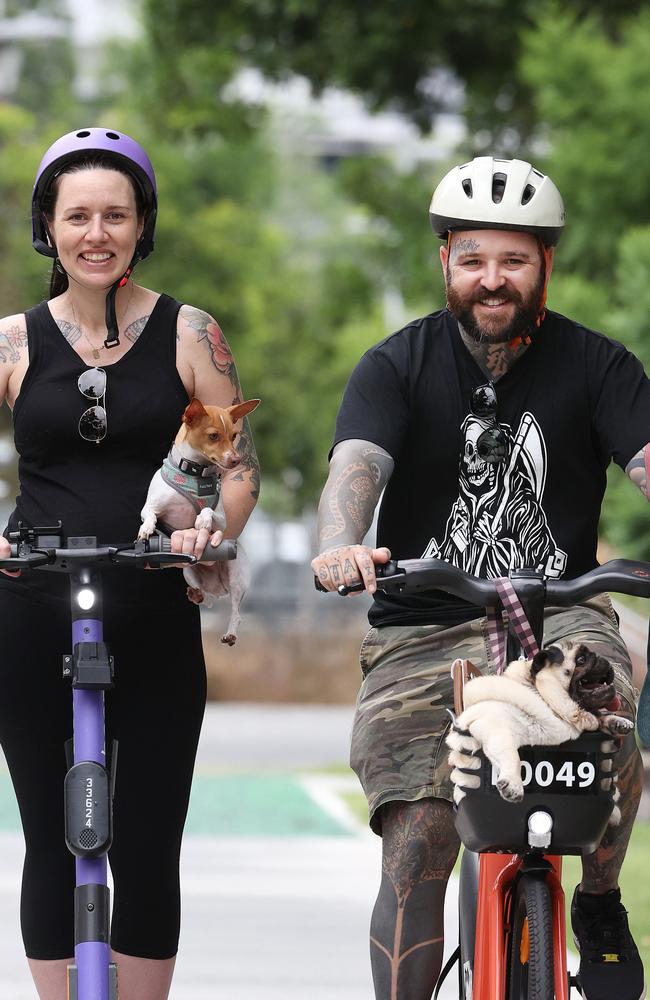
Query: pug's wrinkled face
x: 588, y: 678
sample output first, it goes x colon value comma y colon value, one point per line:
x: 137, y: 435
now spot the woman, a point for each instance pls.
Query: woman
x: 88, y: 461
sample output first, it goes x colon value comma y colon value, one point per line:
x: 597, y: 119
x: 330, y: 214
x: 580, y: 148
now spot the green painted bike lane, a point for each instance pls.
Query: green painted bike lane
x: 231, y: 805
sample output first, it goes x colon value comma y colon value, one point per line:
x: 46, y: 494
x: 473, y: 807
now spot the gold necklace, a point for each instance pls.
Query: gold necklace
x: 95, y: 350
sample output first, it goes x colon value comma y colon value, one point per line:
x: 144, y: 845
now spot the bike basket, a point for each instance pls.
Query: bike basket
x: 573, y: 782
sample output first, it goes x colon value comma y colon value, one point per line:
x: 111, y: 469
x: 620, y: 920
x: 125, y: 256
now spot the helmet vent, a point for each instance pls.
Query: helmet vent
x: 83, y: 135
x: 529, y: 191
x: 467, y: 187
x: 498, y: 187
x: 112, y: 135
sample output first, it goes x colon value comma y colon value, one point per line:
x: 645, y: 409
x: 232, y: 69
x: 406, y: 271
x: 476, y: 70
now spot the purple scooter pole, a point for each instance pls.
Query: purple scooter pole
x: 89, y: 794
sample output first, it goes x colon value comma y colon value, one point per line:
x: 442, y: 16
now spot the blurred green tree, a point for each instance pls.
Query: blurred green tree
x: 413, y: 55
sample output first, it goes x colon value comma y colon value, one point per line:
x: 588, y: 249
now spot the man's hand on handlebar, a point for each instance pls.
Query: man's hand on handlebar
x: 5, y: 553
x: 349, y: 565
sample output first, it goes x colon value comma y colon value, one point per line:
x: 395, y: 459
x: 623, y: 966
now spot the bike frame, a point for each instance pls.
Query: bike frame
x: 497, y: 873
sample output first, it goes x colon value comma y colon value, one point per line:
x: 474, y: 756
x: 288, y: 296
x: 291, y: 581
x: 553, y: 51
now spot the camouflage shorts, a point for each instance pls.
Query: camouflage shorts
x: 401, y: 720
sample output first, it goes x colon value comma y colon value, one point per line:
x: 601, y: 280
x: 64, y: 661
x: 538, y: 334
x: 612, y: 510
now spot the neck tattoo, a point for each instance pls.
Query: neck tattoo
x: 494, y: 359
x: 94, y: 349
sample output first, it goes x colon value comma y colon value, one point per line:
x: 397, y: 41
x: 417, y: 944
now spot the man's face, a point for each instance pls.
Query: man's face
x: 494, y: 280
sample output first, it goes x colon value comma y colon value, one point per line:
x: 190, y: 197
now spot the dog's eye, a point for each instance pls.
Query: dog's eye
x: 214, y: 436
x: 580, y: 660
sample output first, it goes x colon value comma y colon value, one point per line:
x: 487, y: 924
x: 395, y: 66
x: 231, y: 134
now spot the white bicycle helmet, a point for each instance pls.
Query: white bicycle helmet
x: 488, y: 193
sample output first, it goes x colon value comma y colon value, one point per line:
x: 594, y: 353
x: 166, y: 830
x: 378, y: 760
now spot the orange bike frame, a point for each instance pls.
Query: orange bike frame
x: 496, y: 874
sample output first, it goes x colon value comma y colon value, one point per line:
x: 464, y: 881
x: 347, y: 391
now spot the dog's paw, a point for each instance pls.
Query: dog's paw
x: 461, y: 741
x: 585, y: 721
x: 195, y: 595
x: 147, y: 527
x: 462, y: 780
x: 511, y: 791
x: 615, y: 725
x: 458, y: 759
x: 229, y: 639
x: 204, y: 519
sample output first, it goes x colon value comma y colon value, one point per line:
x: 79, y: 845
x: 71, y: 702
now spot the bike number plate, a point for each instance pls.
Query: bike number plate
x: 545, y: 770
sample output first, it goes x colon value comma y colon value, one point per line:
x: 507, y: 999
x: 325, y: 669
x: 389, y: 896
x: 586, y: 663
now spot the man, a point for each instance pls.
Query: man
x: 489, y: 425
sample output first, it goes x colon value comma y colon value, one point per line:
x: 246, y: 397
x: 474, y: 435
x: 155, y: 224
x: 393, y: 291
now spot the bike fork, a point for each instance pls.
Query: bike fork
x: 488, y: 979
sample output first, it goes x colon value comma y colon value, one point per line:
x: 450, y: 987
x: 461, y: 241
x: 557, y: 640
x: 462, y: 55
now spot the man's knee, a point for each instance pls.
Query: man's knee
x: 420, y: 835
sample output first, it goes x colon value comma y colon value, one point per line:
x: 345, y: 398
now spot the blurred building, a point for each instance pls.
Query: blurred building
x: 86, y: 24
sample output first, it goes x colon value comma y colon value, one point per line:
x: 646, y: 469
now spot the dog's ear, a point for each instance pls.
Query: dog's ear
x: 545, y: 657
x: 240, y: 410
x: 193, y: 412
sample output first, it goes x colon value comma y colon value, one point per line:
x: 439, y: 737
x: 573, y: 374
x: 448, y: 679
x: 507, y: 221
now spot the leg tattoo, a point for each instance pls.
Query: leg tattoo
x: 420, y: 846
x: 600, y: 870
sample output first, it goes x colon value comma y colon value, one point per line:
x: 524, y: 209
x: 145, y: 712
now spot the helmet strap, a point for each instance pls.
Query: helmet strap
x: 113, y: 333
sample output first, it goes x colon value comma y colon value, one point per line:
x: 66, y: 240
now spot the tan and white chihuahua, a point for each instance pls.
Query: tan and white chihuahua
x: 186, y: 492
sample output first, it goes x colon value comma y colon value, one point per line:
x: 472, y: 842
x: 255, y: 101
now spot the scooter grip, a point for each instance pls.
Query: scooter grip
x: 227, y: 549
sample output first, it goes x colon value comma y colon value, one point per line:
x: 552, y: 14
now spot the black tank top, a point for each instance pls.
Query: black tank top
x: 95, y: 488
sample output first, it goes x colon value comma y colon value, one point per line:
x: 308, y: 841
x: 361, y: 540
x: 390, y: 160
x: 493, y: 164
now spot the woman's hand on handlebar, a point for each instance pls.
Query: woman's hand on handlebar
x: 192, y: 541
x: 5, y: 553
x: 349, y: 565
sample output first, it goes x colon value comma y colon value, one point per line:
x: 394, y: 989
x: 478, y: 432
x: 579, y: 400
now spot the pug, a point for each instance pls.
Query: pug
x: 563, y: 691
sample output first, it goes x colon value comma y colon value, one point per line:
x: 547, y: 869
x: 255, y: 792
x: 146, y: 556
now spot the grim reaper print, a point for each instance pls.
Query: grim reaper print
x: 497, y: 524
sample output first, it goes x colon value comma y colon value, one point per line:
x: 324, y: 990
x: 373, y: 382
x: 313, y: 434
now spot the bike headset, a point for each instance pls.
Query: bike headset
x: 130, y: 158
x: 490, y: 193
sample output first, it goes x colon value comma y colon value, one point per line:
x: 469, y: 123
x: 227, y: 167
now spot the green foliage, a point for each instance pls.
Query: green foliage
x: 414, y: 55
x: 593, y: 106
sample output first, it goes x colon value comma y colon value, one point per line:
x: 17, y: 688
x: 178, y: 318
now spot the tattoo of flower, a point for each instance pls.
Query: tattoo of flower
x: 210, y: 332
x: 11, y: 344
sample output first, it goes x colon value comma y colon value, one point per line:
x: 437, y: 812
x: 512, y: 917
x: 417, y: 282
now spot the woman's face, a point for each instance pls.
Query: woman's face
x: 95, y: 225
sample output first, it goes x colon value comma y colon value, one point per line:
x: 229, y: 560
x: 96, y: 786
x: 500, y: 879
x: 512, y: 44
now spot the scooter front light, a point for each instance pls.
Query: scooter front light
x: 86, y: 598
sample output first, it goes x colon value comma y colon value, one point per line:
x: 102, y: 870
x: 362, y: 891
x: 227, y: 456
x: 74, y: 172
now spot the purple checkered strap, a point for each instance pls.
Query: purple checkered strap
x: 517, y: 620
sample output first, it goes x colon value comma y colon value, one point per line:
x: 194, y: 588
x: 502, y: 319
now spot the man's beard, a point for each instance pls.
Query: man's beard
x: 523, y: 320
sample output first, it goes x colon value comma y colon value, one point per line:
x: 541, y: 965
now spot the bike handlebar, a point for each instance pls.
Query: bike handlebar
x: 43, y: 549
x: 411, y: 576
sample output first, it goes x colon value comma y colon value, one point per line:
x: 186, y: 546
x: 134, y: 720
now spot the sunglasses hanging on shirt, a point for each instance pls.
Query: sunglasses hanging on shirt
x: 492, y: 444
x: 93, y: 422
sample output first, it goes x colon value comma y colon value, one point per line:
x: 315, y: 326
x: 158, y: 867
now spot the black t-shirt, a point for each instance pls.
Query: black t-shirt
x: 572, y: 402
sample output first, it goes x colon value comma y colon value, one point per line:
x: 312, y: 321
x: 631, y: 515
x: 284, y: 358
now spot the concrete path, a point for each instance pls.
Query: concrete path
x: 278, y: 875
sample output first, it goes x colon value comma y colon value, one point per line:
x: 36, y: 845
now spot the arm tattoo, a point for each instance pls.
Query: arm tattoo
x: 637, y: 470
x: 71, y: 331
x: 135, y: 328
x: 248, y: 456
x: 12, y: 342
x: 359, y: 471
x: 209, y: 332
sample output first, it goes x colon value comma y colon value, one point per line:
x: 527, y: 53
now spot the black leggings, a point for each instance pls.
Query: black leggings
x: 154, y: 711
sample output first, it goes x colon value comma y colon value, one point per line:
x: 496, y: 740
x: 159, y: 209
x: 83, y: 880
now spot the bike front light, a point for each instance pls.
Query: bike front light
x: 86, y: 598
x: 540, y: 825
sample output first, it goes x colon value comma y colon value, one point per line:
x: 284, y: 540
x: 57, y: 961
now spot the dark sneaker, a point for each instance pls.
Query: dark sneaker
x: 610, y: 966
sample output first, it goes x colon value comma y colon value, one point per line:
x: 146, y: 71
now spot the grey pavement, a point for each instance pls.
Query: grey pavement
x: 264, y: 918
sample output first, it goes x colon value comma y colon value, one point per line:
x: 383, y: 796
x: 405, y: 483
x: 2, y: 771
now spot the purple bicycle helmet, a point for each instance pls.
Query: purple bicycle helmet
x: 73, y: 146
